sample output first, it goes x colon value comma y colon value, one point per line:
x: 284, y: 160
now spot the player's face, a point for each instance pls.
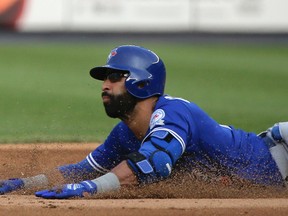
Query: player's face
x: 117, y: 101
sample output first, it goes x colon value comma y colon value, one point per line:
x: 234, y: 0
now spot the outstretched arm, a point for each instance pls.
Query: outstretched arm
x: 119, y: 176
x: 124, y: 174
x: 70, y: 173
x: 94, y: 165
x: 153, y: 162
x: 48, y: 179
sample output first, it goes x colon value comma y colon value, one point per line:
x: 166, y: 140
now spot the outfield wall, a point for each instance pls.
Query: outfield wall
x: 152, y: 15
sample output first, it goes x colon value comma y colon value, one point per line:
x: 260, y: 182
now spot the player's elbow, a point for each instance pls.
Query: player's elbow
x: 162, y: 164
x: 154, y: 168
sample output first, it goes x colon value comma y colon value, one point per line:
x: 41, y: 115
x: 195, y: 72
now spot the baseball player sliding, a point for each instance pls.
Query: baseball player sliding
x: 156, y: 133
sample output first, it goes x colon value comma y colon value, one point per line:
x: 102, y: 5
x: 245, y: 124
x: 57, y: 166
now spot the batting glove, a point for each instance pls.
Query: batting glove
x: 69, y: 191
x: 10, y: 185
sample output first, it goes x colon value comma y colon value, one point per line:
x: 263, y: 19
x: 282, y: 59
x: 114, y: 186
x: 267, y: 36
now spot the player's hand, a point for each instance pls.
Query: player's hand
x: 10, y: 185
x: 69, y: 190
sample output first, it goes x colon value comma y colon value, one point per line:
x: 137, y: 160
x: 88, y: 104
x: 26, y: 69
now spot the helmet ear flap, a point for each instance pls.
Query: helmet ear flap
x: 141, y: 87
x: 143, y: 84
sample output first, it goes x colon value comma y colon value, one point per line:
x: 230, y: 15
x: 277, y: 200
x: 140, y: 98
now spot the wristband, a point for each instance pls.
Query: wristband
x: 35, y: 181
x: 107, y: 182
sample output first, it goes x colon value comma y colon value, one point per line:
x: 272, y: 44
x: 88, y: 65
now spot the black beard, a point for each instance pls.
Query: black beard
x: 120, y: 106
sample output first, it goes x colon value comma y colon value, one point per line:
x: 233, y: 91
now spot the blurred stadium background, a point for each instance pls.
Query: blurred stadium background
x: 228, y: 56
x: 145, y: 15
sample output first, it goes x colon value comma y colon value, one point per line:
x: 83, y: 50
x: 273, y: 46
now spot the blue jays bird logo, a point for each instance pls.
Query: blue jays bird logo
x: 157, y: 118
x: 112, y: 54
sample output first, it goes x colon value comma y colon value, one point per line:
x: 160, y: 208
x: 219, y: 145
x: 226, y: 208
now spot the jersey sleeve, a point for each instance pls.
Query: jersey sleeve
x: 173, y: 117
x: 114, y: 149
x: 118, y: 144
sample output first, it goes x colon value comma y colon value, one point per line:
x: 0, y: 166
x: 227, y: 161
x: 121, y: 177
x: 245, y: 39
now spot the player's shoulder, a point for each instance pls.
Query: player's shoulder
x: 173, y: 102
x: 121, y: 133
x: 121, y: 127
x: 175, y: 106
x: 171, y: 99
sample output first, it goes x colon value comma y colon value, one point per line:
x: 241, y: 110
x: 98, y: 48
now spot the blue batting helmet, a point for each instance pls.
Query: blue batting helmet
x: 146, y: 70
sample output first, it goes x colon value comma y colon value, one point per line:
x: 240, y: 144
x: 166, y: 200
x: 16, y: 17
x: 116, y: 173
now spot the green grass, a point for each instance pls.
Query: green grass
x: 47, y: 95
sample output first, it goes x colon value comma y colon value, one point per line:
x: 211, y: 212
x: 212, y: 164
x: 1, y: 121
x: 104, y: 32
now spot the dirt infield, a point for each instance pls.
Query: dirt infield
x: 185, y: 197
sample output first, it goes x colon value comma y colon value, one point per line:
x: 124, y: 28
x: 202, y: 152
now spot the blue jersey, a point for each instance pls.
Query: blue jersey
x: 203, y: 142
